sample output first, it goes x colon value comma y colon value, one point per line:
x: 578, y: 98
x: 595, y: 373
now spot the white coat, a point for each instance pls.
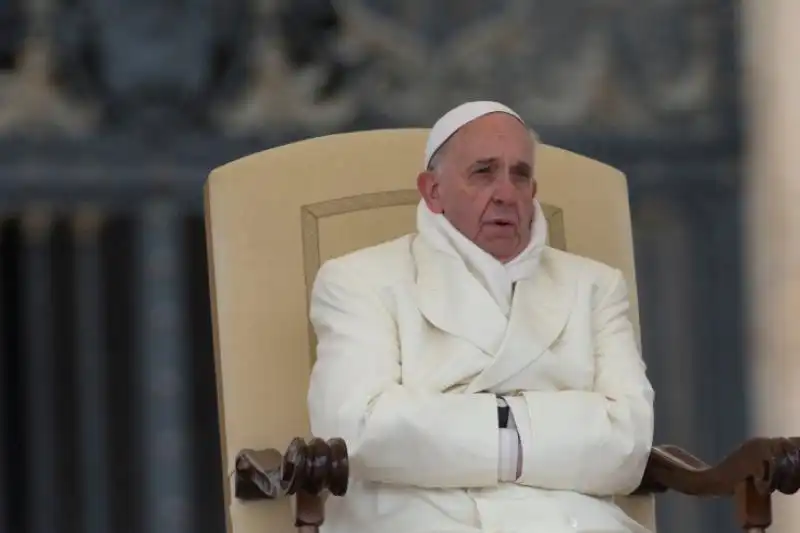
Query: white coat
x: 411, y: 352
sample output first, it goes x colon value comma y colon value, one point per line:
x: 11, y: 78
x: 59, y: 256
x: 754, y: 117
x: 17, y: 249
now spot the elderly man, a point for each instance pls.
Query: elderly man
x: 483, y: 381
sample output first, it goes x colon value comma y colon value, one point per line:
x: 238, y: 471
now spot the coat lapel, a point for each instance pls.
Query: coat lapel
x: 452, y: 300
x: 539, y: 312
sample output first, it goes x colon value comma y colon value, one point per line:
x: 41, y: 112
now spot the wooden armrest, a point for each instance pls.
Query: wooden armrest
x: 750, y: 474
x: 307, y: 471
x: 755, y: 470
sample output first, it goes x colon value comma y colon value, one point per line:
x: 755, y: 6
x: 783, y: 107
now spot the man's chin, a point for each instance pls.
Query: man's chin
x: 502, y: 249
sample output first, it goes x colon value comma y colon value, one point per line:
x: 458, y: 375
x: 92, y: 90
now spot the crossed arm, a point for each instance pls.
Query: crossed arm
x: 592, y: 442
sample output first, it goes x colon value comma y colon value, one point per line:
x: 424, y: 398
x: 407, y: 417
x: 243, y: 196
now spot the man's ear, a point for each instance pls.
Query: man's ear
x: 428, y: 186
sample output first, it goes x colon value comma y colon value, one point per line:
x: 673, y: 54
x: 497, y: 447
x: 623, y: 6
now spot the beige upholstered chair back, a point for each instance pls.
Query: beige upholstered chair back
x: 273, y: 217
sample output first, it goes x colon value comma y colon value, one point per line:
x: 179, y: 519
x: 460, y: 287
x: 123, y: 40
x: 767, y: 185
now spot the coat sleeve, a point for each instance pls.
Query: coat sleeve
x: 394, y: 433
x: 594, y: 442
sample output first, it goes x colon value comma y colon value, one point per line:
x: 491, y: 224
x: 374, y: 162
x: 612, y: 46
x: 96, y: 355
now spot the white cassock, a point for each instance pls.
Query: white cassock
x: 417, y: 336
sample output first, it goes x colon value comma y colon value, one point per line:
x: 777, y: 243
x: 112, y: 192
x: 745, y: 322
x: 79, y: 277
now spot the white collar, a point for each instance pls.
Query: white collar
x: 496, y: 277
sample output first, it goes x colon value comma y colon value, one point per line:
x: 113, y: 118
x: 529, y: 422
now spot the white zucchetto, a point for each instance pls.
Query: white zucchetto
x: 457, y: 118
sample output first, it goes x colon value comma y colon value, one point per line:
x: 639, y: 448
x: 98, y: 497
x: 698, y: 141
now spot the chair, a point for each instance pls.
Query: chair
x: 272, y: 218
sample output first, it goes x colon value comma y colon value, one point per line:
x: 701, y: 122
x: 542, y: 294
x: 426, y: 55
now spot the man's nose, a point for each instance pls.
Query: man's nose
x: 504, y: 189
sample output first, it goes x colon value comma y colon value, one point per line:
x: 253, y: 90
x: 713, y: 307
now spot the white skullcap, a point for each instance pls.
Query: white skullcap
x: 457, y: 118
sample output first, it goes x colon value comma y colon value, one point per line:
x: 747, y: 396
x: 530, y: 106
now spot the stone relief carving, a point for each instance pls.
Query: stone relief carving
x: 30, y: 103
x: 602, y: 65
x: 162, y: 63
x: 282, y: 93
x: 147, y: 65
x: 670, y: 50
x: 316, y: 66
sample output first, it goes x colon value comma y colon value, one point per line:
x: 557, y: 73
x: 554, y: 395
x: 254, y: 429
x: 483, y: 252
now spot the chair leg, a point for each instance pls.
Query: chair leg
x: 309, y: 511
x: 753, y: 507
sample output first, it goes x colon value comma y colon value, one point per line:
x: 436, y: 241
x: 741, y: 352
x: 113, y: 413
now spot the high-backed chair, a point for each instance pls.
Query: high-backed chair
x: 272, y: 218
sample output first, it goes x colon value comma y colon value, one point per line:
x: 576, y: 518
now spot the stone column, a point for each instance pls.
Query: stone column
x: 164, y: 376
x: 44, y: 515
x: 92, y: 364
x: 5, y: 382
x: 772, y: 99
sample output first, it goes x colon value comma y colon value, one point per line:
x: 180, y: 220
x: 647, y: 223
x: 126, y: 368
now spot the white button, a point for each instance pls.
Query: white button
x: 573, y: 523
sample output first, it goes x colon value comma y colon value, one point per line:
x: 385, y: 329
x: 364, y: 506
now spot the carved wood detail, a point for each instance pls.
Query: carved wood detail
x: 750, y: 474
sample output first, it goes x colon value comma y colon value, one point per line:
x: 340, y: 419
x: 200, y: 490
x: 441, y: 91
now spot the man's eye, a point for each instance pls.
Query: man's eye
x: 483, y: 170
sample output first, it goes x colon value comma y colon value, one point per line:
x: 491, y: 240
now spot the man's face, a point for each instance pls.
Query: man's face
x: 483, y: 184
